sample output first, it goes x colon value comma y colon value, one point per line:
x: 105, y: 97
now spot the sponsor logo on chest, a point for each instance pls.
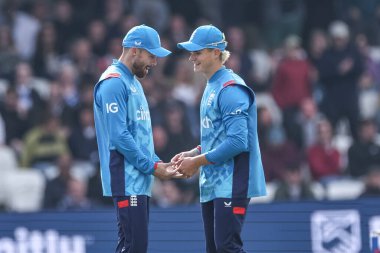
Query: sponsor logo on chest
x: 142, y: 114
x: 211, y: 98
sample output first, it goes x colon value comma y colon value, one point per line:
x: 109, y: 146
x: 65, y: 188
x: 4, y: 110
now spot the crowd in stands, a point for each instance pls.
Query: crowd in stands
x: 314, y: 66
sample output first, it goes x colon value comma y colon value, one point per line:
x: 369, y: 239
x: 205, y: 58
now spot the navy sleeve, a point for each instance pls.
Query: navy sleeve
x: 114, y: 98
x: 234, y: 102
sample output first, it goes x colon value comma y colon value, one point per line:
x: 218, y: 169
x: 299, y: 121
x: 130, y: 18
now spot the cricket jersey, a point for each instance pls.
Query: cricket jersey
x: 124, y: 133
x: 229, y: 140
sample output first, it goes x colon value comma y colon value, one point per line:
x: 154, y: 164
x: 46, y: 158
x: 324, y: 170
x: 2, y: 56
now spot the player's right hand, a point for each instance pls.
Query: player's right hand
x: 165, y: 171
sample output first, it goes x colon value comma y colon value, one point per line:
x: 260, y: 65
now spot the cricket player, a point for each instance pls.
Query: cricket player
x: 124, y: 135
x: 229, y: 156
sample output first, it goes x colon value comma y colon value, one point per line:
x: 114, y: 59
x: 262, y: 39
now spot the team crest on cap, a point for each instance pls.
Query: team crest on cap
x: 137, y: 43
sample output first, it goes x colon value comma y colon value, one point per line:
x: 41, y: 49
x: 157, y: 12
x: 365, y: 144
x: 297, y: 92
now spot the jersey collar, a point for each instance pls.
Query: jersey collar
x: 217, y: 74
x: 123, y: 68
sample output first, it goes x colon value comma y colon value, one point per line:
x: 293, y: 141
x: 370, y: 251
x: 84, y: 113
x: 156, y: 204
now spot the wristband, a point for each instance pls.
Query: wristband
x: 156, y: 164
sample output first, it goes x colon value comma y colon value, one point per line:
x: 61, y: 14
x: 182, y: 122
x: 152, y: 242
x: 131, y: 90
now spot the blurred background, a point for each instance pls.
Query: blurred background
x: 314, y: 66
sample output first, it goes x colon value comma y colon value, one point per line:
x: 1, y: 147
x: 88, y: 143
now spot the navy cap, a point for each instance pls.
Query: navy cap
x: 206, y: 36
x: 145, y: 37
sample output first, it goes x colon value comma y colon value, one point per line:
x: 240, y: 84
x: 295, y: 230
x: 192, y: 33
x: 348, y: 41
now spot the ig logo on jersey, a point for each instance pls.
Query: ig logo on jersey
x: 112, y: 107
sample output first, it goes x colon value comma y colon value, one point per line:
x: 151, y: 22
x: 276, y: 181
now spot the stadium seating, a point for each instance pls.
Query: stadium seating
x: 23, y: 190
x: 344, y: 189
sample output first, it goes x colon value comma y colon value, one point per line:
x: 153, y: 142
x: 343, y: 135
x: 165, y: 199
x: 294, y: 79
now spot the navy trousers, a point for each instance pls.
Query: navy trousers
x: 223, y: 220
x: 132, y: 220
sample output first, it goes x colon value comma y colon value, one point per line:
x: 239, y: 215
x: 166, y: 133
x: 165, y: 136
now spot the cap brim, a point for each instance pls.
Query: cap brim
x: 189, y: 46
x: 159, y: 52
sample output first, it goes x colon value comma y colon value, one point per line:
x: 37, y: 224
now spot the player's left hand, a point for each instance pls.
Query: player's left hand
x: 187, y: 166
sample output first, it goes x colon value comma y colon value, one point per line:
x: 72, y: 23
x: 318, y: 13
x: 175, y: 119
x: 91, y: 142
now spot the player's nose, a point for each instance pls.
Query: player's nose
x: 192, y: 57
x: 154, y: 61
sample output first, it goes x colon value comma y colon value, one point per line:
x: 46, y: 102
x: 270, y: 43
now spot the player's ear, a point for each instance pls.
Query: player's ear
x: 134, y: 51
x: 217, y: 52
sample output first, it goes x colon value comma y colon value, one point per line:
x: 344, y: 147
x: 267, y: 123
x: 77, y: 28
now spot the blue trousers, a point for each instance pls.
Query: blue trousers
x: 223, y: 220
x: 132, y: 220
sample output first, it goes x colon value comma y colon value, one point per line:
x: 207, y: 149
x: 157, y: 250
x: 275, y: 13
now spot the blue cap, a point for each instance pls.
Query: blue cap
x: 206, y: 36
x: 145, y: 37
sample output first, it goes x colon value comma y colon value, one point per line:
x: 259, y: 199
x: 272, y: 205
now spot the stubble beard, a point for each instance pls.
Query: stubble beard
x: 139, y: 69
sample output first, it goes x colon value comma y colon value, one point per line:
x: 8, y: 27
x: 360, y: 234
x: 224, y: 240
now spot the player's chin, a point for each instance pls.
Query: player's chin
x: 143, y: 73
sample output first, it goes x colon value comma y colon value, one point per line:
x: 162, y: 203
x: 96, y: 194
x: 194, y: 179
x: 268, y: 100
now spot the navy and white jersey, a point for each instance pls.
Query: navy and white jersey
x: 229, y: 140
x: 124, y: 133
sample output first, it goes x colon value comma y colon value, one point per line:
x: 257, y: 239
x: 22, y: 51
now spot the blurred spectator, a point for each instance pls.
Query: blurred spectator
x: 29, y: 102
x: 113, y: 52
x: 190, y: 10
x: 237, y: 46
x: 356, y: 21
x: 368, y: 97
x: 55, y: 102
x: 319, y: 14
x: 127, y: 22
x: 291, y: 85
x: 307, y: 120
x: 167, y: 194
x: 157, y: 94
x: 293, y: 186
x: 267, y: 126
x: 9, y: 56
x: 16, y: 121
x: 178, y: 31
x: 55, y: 188
x: 68, y: 81
x: 82, y: 140
x: 97, y: 35
x: 324, y: 160
x: 284, y: 151
x: 364, y: 152
x: 317, y: 46
x: 57, y: 107
x: 160, y: 139
x: 44, y: 144
x: 187, y: 90
x: 371, y: 58
x: 82, y: 57
x: 154, y: 13
x: 178, y: 128
x: 75, y: 198
x: 265, y: 100
x: 273, y: 143
x: 372, y: 183
x: 25, y: 28
x: 46, y: 60
x: 176, y: 192
x: 40, y: 10
x: 114, y: 11
x: 66, y: 25
x: 281, y: 18
x: 339, y: 70
x: 88, y: 10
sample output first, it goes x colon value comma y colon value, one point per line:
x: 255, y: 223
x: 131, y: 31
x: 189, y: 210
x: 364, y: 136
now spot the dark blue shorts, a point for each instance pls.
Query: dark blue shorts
x: 132, y: 220
x: 223, y: 220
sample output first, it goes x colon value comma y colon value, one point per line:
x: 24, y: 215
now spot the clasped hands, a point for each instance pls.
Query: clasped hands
x: 182, y: 165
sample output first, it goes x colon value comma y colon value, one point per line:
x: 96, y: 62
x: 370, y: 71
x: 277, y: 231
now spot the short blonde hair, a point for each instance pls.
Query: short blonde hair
x: 224, y: 56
